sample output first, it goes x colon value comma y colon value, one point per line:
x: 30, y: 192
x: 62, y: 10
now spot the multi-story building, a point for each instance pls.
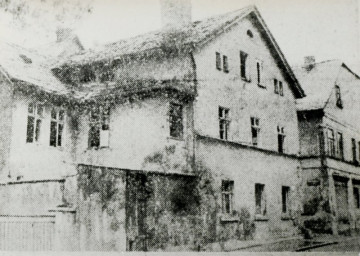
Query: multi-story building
x: 182, y: 136
x: 329, y: 143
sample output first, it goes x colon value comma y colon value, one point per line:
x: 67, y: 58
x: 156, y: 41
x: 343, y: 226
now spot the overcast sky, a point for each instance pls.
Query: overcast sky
x: 327, y: 29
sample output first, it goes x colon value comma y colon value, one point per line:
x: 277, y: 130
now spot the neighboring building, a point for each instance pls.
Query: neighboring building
x: 330, y: 143
x: 182, y: 136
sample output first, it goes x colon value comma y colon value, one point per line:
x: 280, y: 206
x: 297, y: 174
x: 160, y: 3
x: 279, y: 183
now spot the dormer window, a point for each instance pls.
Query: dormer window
x: 338, y: 97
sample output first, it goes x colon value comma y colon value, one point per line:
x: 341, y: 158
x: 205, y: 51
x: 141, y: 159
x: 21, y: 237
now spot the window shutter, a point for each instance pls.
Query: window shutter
x: 249, y: 67
x: 104, y: 138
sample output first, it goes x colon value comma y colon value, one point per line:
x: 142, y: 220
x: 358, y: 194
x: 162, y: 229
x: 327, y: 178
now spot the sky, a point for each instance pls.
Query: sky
x: 326, y: 29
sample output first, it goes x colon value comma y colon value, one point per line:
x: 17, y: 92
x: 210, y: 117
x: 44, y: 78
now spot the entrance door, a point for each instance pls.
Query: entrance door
x: 136, y: 208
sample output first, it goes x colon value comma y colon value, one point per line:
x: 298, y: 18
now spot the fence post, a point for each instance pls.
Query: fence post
x: 65, y: 238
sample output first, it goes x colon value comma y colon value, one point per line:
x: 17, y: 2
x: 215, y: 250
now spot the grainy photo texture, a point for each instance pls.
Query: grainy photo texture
x: 179, y: 125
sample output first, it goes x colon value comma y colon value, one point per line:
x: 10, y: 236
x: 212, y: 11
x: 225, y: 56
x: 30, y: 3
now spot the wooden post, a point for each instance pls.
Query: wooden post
x: 332, y: 203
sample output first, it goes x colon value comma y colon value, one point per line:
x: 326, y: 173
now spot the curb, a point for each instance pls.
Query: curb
x: 314, y: 246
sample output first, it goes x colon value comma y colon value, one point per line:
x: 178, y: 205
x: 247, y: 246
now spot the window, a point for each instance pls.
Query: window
x: 225, y: 64
x: 224, y: 122
x: 340, y: 147
x: 353, y: 144
x: 227, y: 187
x: 56, y: 127
x: 99, y: 127
x: 255, y: 130
x: 35, y: 116
x: 259, y: 67
x: 331, y: 142
x: 357, y: 197
x: 281, y: 89
x: 260, y: 199
x: 276, y: 86
x: 285, y: 191
x: 281, y: 139
x: 218, y: 61
x: 249, y: 33
x: 338, y: 96
x: 243, y: 68
x: 176, y: 120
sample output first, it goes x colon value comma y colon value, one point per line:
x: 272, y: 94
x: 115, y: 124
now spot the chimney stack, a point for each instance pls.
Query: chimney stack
x: 62, y: 34
x: 309, y: 62
x: 175, y: 13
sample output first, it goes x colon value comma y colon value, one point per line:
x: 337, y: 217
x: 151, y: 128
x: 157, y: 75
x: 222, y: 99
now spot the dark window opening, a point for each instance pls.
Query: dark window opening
x: 340, y: 146
x: 281, y: 89
x: 255, y: 130
x: 243, y: 68
x: 357, y: 197
x: 218, y: 61
x: 276, y: 87
x: 338, y: 97
x: 353, y: 144
x: 225, y: 64
x: 224, y: 122
x: 281, y: 139
x: 285, y: 191
x: 99, y: 127
x: 176, y: 120
x: 260, y: 199
x: 259, y: 70
x: 250, y: 34
x: 227, y: 187
x: 331, y: 142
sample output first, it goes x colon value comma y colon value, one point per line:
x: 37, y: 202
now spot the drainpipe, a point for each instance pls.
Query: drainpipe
x: 192, y: 58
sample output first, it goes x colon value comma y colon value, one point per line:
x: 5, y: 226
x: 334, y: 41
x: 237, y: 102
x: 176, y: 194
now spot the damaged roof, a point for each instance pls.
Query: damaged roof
x: 318, y: 82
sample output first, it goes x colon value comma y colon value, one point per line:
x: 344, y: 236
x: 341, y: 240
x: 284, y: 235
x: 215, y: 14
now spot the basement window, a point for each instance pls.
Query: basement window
x: 99, y: 127
x: 176, y: 120
x: 224, y: 122
x: 34, y: 121
x: 260, y: 199
x: 227, y: 187
x: 57, y: 127
x: 281, y: 139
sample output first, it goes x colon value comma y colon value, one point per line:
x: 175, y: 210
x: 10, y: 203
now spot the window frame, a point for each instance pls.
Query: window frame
x: 276, y: 86
x: 353, y: 150
x: 255, y: 129
x: 36, y: 123
x: 260, y: 200
x: 244, y: 66
x: 224, y: 122
x: 340, y: 145
x: 281, y: 136
x: 225, y: 60
x: 356, y: 193
x: 227, y: 196
x: 331, y: 142
x: 99, y: 126
x: 281, y: 88
x: 59, y: 122
x: 338, y: 96
x: 218, y: 60
x: 285, y: 199
x: 176, y: 121
x: 259, y: 72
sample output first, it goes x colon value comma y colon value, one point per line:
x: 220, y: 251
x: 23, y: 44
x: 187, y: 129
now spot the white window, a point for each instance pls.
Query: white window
x: 57, y: 127
x: 34, y: 121
x: 224, y: 122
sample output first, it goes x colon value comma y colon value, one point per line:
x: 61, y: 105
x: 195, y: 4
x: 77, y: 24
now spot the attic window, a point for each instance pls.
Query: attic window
x: 338, y: 97
x: 250, y: 34
x: 26, y: 59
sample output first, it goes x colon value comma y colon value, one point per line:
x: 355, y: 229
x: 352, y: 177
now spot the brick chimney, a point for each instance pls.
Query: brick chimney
x: 175, y: 13
x: 63, y: 34
x: 309, y: 62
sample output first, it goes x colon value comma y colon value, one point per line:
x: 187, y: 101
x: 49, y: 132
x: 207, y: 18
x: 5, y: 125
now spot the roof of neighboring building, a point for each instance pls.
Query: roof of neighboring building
x: 29, y: 67
x: 318, y: 82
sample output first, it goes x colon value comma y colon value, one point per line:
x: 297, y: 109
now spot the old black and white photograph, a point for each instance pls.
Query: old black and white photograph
x: 191, y: 126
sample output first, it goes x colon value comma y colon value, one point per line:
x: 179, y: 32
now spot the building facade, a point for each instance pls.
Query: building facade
x: 179, y: 137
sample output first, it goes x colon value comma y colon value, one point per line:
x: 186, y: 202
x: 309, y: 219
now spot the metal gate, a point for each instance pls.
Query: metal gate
x: 27, y: 233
